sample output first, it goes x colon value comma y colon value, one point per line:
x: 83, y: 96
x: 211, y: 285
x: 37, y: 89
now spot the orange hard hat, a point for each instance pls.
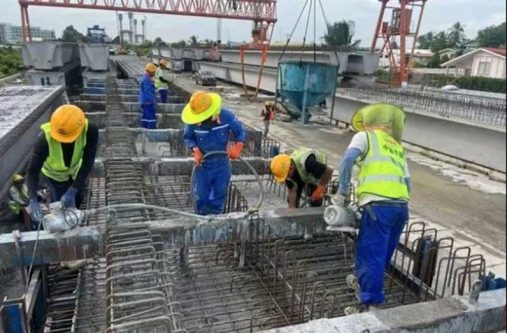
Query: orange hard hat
x: 150, y: 68
x: 66, y: 123
x: 280, y: 167
x: 164, y: 63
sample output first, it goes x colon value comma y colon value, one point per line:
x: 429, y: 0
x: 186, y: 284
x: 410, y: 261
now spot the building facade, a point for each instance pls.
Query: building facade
x: 13, y: 34
x: 485, y: 62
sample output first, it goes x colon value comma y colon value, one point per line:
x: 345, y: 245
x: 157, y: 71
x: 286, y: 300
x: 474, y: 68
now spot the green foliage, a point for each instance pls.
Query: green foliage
x: 72, y: 35
x: 434, y: 61
x: 340, y: 35
x: 181, y: 43
x: 425, y: 40
x: 470, y: 83
x: 10, y: 61
x: 439, y: 42
x: 493, y: 36
x: 456, y: 36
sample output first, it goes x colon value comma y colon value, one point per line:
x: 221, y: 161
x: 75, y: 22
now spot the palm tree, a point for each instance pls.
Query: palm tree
x: 340, y: 35
x: 456, y: 34
x: 193, y: 41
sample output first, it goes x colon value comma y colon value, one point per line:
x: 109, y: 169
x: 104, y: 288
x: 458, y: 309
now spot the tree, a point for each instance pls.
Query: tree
x: 493, y: 36
x: 193, y: 41
x: 439, y: 42
x: 72, y: 35
x: 425, y: 40
x: 181, y: 43
x: 340, y: 35
x: 456, y: 36
x: 159, y: 42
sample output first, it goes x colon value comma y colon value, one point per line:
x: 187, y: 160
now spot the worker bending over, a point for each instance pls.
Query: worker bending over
x: 382, y: 194
x: 148, y: 98
x: 207, y: 130
x: 18, y: 199
x: 305, y: 169
x: 64, y: 153
x: 161, y: 83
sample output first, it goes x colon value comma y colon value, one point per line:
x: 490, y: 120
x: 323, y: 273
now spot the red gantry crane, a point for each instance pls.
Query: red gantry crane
x: 401, y: 29
x: 261, y: 12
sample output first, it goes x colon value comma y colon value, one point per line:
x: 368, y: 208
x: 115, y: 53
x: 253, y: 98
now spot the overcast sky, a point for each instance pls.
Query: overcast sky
x: 440, y: 14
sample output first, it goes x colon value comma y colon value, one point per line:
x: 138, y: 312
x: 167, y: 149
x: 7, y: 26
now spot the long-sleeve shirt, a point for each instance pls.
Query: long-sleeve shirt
x: 357, y: 148
x: 41, y: 152
x: 214, y: 135
x: 147, y: 92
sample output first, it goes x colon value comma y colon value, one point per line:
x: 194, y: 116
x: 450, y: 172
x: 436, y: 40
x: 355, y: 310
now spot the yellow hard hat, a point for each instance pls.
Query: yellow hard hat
x: 164, y: 63
x: 18, y: 178
x: 66, y: 123
x: 280, y: 166
x: 202, y: 105
x: 150, y: 68
x: 380, y: 116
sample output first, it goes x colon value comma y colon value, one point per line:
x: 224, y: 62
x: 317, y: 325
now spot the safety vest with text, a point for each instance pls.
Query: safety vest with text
x: 383, y: 168
x: 299, y: 157
x: 54, y: 167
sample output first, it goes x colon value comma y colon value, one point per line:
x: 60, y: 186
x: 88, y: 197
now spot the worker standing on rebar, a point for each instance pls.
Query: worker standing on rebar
x: 207, y: 130
x: 304, y: 170
x: 267, y: 114
x: 161, y: 83
x: 382, y: 195
x: 148, y: 98
x: 64, y: 153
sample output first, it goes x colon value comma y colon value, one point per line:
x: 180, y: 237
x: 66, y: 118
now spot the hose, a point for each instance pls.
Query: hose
x: 257, y: 178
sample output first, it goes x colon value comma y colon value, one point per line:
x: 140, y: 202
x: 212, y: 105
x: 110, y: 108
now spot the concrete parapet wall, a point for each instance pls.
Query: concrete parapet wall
x: 480, y: 145
x: 48, y: 55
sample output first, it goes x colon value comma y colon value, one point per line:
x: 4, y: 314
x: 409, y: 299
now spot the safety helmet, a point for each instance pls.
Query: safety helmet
x: 66, y: 123
x: 164, y: 63
x: 202, y: 105
x: 387, y: 117
x: 150, y: 68
x: 280, y: 166
x: 18, y: 178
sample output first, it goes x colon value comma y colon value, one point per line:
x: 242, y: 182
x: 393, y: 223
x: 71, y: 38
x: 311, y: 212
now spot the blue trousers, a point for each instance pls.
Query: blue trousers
x: 211, y: 184
x: 378, y: 237
x: 148, y: 118
x: 164, y: 95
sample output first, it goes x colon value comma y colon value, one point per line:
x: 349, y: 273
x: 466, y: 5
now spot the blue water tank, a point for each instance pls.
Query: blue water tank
x: 292, y: 78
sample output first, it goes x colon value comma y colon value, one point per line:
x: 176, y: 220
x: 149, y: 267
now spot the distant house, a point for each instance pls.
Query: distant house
x: 486, y: 62
x: 447, y: 53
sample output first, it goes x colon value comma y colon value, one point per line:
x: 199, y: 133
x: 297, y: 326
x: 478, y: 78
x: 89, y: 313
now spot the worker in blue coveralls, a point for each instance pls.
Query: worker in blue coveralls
x: 207, y: 129
x: 148, y: 98
x: 383, y: 193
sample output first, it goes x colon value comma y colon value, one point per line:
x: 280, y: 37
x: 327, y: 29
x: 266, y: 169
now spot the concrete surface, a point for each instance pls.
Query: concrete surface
x: 94, y: 56
x: 450, y: 315
x: 48, y: 55
x: 471, y: 215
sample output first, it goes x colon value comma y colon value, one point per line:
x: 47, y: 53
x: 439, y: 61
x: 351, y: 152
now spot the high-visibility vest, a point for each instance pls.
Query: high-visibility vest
x: 299, y: 157
x: 382, y: 169
x: 54, y: 166
x: 158, y: 83
x: 16, y: 195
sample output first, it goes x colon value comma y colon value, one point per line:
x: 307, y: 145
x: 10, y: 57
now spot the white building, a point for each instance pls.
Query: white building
x: 486, y: 62
x: 12, y: 34
x: 420, y: 56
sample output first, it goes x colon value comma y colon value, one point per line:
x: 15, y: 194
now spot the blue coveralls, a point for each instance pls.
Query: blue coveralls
x: 211, y: 180
x: 148, y: 101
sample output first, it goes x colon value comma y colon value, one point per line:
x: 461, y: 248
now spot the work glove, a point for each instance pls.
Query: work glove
x: 318, y: 193
x: 197, y: 156
x: 35, y: 210
x: 235, y: 150
x: 68, y: 200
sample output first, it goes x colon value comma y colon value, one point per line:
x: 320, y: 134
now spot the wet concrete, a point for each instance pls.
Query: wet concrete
x: 473, y: 215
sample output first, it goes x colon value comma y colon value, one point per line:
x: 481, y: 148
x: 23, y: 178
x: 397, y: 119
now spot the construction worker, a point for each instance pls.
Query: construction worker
x: 64, y: 153
x: 207, y: 130
x: 305, y: 169
x: 382, y: 196
x: 160, y: 82
x: 148, y: 98
x: 18, y: 199
x: 267, y: 114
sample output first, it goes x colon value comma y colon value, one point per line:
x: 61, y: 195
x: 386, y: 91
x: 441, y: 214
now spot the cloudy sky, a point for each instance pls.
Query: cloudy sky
x: 440, y: 14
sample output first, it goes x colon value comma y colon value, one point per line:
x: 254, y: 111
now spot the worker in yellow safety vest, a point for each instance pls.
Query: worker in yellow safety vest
x: 64, y: 153
x: 382, y: 194
x: 161, y: 82
x: 303, y: 170
x: 18, y: 199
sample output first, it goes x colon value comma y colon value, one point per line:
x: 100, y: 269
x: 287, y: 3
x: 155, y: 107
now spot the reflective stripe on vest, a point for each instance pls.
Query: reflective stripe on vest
x: 383, y: 168
x: 54, y: 166
x: 158, y: 83
x: 299, y: 157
